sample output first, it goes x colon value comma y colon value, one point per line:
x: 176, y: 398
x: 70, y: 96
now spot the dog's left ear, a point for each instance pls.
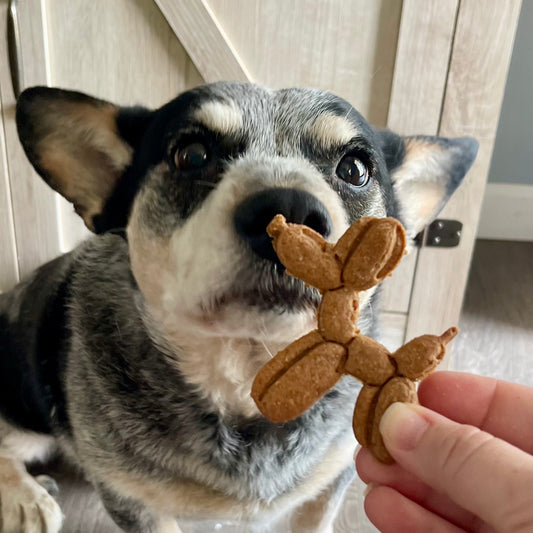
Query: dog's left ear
x: 425, y: 172
x: 80, y: 145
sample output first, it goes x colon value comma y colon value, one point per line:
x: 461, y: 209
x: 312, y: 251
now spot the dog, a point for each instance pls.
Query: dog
x: 134, y: 354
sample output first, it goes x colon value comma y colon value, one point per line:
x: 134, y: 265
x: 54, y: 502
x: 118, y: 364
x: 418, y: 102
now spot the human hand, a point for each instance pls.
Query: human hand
x: 450, y: 476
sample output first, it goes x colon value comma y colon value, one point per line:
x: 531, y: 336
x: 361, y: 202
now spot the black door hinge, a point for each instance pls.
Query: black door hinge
x: 442, y: 232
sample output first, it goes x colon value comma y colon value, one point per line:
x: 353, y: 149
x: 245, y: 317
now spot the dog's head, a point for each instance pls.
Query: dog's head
x: 195, y: 183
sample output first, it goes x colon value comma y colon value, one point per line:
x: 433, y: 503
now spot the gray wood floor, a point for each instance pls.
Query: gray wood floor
x: 496, y: 337
x: 496, y: 340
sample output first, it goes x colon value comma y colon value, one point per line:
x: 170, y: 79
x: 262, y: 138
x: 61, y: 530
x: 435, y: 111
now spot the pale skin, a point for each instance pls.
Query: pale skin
x: 464, y: 459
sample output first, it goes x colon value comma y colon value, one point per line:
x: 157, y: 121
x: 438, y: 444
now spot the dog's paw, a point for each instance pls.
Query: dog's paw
x: 25, y: 505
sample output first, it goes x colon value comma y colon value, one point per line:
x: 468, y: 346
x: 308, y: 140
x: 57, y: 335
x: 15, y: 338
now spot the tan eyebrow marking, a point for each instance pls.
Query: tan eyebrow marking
x: 222, y: 117
x: 331, y: 130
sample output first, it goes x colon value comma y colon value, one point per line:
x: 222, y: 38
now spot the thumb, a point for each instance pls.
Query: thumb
x: 481, y: 473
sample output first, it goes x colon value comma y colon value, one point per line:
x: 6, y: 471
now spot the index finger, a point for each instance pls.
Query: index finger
x: 500, y: 408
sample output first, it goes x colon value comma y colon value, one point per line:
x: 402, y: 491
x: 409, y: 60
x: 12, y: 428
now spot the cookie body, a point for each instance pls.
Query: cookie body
x: 369, y: 361
x: 338, y: 313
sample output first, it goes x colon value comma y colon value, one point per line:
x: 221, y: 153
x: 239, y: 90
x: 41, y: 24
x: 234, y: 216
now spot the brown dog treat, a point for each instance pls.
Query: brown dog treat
x: 338, y: 314
x: 377, y: 253
x: 369, y: 361
x: 419, y: 357
x: 277, y: 365
x: 397, y: 252
x: 305, y: 254
x: 352, y: 237
x: 302, y: 373
x: 307, y: 376
x: 395, y: 390
x: 363, y: 414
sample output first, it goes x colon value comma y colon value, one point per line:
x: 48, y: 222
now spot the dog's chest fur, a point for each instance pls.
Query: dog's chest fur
x: 193, y: 420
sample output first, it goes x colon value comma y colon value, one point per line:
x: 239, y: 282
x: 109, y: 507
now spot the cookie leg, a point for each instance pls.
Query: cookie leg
x: 419, y: 357
x: 297, y: 377
x: 396, y: 389
x: 363, y: 414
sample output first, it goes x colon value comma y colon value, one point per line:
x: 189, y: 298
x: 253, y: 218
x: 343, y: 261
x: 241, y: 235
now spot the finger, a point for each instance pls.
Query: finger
x: 482, y: 402
x: 370, y: 470
x: 391, y: 512
x: 457, y: 460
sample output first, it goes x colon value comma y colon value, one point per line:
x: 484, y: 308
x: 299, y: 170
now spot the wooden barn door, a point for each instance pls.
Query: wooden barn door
x: 415, y: 66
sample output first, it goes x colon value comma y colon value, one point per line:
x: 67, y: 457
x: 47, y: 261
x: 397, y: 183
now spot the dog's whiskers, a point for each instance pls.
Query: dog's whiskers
x: 267, y: 350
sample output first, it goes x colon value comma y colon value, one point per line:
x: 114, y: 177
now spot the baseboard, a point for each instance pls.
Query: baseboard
x: 507, y: 212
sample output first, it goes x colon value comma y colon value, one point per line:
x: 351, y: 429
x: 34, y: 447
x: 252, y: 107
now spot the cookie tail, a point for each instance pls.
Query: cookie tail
x: 448, y: 335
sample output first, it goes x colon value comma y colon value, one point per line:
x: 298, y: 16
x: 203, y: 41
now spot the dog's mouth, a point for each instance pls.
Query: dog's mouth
x: 266, y: 288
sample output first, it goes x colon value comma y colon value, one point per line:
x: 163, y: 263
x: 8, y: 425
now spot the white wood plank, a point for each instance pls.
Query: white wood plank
x: 396, y: 290
x: 345, y: 46
x: 133, y: 56
x: 474, y: 92
x: 204, y: 39
x: 8, y: 257
x: 33, y: 202
x: 422, y: 58
x: 392, y: 330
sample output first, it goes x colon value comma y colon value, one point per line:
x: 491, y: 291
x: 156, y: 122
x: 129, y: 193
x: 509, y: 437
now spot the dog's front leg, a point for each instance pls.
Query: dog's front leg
x: 317, y: 515
x: 134, y: 517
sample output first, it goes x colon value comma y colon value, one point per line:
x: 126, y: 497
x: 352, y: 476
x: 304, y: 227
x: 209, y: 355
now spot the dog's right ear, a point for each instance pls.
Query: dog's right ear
x: 425, y: 171
x: 80, y: 145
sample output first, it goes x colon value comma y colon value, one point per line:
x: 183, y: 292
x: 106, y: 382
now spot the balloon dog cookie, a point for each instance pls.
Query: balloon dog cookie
x: 302, y: 373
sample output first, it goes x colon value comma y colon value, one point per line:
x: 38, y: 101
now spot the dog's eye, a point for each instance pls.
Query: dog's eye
x: 191, y: 157
x: 352, y: 170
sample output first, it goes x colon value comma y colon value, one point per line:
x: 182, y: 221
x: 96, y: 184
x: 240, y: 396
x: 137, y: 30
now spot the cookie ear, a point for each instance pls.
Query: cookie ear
x: 425, y: 172
x: 80, y: 145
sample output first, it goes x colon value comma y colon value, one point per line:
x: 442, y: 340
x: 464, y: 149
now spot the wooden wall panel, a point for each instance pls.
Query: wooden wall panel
x: 345, y: 46
x: 422, y: 60
x: 214, y: 55
x: 474, y: 92
x: 123, y: 51
x: 33, y: 202
x: 8, y: 249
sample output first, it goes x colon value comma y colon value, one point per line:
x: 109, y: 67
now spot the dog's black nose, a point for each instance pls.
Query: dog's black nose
x: 299, y: 207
